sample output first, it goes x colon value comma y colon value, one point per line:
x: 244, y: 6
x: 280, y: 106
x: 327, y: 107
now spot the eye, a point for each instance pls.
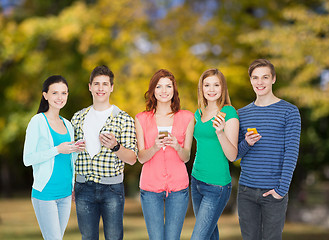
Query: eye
x: 158, y: 86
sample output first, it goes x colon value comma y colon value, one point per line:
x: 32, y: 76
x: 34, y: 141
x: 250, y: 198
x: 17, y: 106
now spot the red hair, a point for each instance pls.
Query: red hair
x: 151, y: 101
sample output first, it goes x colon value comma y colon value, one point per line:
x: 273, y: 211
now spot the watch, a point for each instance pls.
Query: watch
x: 116, y: 148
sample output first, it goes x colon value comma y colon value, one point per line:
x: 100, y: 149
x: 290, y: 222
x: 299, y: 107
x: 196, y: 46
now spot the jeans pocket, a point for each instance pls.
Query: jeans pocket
x: 273, y: 199
x: 242, y: 189
x: 78, y: 186
x: 117, y: 189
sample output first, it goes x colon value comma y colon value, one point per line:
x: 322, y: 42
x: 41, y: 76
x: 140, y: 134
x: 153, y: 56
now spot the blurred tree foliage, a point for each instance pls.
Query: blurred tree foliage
x: 137, y: 37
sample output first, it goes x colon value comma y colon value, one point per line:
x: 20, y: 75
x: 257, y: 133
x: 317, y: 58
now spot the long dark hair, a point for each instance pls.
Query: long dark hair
x: 151, y: 102
x: 44, y: 105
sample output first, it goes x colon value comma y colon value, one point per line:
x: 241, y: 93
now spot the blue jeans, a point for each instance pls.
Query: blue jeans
x: 260, y: 217
x: 208, y: 202
x: 157, y: 207
x: 52, y: 216
x: 94, y: 200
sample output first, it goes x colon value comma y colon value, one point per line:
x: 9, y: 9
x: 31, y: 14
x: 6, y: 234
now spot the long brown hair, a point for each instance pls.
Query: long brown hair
x: 224, y: 97
x: 151, y: 101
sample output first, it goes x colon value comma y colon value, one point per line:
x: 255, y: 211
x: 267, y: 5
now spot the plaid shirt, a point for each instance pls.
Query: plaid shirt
x: 105, y: 163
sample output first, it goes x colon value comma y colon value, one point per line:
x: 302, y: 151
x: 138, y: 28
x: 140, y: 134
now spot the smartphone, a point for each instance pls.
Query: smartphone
x: 165, y: 133
x: 254, y: 130
x: 80, y: 141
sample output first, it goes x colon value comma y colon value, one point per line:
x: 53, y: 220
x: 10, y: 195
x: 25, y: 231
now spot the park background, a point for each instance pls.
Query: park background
x: 135, y: 38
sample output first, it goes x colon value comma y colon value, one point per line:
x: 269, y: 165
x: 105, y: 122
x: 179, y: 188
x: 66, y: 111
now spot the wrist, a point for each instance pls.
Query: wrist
x: 178, y: 148
x: 220, y: 133
x: 155, y: 148
x: 116, y: 147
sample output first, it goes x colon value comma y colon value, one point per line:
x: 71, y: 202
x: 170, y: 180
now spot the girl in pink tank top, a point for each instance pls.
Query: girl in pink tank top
x: 164, y: 138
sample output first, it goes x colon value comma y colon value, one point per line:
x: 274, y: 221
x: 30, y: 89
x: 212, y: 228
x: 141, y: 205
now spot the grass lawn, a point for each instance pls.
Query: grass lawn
x: 18, y: 222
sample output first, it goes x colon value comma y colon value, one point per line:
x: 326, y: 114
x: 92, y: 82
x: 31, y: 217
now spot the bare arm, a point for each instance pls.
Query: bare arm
x: 145, y: 155
x: 126, y: 155
x: 229, y: 137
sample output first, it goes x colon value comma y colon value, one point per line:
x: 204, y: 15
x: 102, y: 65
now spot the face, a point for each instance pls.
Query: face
x: 164, y: 90
x: 101, y: 89
x: 57, y: 95
x: 262, y: 80
x: 211, y: 88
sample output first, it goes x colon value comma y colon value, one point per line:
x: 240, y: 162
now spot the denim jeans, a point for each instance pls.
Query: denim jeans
x: 208, y: 202
x: 52, y: 216
x: 164, y: 215
x: 94, y: 200
x: 260, y: 217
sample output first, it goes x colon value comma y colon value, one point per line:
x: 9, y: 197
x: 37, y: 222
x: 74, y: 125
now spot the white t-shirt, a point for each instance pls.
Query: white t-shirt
x: 94, y: 122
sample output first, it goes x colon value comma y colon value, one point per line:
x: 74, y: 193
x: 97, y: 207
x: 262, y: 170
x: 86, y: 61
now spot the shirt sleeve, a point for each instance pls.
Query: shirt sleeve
x: 291, y: 150
x: 37, y: 147
x: 243, y: 146
x: 128, y: 134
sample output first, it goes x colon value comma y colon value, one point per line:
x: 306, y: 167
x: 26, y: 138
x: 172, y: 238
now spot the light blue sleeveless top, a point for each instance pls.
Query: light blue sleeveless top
x: 60, y: 182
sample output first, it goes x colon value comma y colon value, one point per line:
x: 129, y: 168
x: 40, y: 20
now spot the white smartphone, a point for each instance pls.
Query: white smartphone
x: 80, y: 141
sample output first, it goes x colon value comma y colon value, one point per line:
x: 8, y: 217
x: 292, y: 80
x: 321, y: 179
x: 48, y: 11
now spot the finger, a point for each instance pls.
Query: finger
x: 249, y: 134
x: 267, y: 193
x: 215, y: 124
x: 161, y: 136
x: 220, y: 118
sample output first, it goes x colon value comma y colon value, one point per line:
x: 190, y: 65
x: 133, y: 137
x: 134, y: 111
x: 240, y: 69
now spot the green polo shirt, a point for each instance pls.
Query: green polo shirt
x: 211, y: 165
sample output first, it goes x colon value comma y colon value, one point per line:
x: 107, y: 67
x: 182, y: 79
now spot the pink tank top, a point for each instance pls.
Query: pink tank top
x: 165, y: 171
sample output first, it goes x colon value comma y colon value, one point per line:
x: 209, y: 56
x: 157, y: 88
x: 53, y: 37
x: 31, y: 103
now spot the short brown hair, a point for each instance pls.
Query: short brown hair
x: 261, y: 63
x: 101, y: 71
x: 224, y: 97
x: 151, y: 101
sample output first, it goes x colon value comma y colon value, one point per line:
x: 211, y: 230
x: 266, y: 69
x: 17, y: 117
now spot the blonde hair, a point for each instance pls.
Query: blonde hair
x: 224, y: 97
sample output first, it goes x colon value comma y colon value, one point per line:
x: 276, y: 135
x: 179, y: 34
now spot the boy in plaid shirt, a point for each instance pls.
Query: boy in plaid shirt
x: 109, y: 134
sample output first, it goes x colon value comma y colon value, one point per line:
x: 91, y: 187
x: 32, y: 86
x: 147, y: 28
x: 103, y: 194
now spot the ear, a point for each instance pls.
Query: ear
x: 44, y: 95
x: 112, y: 86
x: 89, y: 85
x: 274, y: 80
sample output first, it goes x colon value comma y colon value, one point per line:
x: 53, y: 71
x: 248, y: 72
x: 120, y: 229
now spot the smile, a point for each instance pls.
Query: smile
x: 260, y: 88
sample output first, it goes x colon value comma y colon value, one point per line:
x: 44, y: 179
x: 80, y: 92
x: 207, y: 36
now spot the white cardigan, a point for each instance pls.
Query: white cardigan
x: 39, y: 150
